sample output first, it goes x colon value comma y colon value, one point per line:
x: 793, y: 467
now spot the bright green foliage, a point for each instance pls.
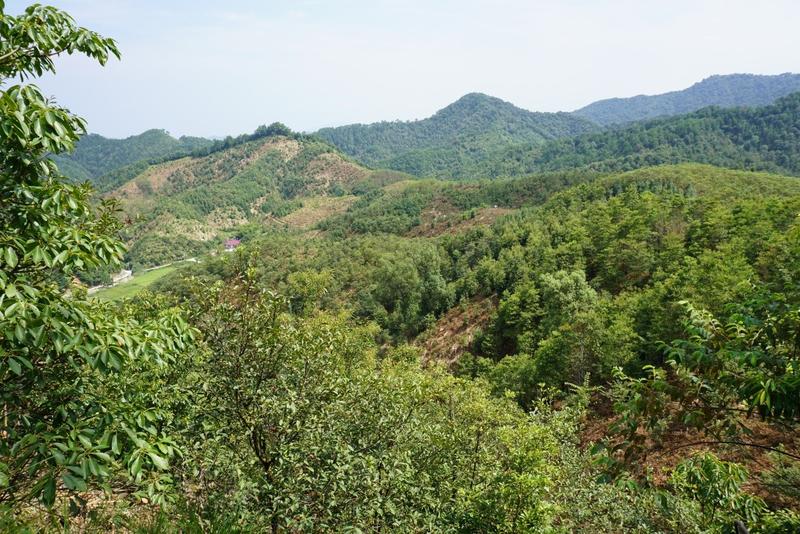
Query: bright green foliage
x: 313, y: 433
x: 312, y: 411
x: 477, y: 137
x: 717, y: 486
x: 778, y: 522
x: 588, y: 281
x: 397, y: 210
x: 142, y: 281
x: 721, y: 375
x: 635, y: 237
x: 71, y: 414
x: 763, y: 138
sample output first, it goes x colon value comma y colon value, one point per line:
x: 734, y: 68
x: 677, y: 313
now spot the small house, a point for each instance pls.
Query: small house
x: 123, y: 276
x: 231, y: 244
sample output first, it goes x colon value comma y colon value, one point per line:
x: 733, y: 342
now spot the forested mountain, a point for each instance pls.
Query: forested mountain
x: 185, y: 206
x: 732, y: 90
x: 675, y: 267
x: 456, y: 136
x: 95, y: 155
x: 766, y: 138
x: 181, y: 207
x: 589, y: 349
x: 486, y: 146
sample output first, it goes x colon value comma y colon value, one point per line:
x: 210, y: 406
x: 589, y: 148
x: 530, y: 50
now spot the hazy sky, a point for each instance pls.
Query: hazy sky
x: 205, y: 67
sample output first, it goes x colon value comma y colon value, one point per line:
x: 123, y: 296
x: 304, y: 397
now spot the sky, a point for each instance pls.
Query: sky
x: 214, y: 68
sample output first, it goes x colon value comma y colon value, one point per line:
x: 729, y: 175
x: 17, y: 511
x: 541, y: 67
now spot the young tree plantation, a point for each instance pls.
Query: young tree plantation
x: 490, y: 320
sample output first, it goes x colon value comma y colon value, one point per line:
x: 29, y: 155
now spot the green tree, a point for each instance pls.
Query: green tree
x: 717, y: 486
x: 71, y: 411
x: 719, y: 378
x: 301, y: 428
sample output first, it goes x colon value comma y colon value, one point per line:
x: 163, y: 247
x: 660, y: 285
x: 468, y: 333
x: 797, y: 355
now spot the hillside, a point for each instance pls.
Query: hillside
x: 181, y: 207
x: 733, y: 90
x: 432, y: 207
x: 460, y: 134
x: 766, y: 138
x: 464, y: 140
x: 609, y: 342
x: 418, y: 257
x: 95, y: 155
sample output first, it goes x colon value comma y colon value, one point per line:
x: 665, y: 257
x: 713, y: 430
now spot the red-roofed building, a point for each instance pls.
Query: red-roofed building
x: 231, y: 244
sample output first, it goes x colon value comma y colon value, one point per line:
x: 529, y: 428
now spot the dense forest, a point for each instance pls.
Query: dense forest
x: 764, y: 138
x: 605, y: 341
x: 728, y: 91
x: 760, y: 138
x: 464, y: 131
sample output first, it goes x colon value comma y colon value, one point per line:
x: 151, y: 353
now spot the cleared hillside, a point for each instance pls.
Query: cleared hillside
x: 95, y: 155
x: 184, y: 206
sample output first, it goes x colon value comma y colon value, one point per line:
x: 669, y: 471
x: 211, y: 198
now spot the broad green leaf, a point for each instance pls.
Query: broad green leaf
x: 49, y: 491
x: 159, y: 462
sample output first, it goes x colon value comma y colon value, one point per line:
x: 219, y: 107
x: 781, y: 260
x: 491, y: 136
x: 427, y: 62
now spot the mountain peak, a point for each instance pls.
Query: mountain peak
x: 477, y: 97
x: 472, y: 102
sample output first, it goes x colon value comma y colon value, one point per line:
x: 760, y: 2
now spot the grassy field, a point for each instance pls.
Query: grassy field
x: 139, y: 282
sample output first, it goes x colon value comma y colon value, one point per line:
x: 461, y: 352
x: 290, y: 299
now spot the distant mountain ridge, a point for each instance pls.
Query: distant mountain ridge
x: 763, y: 138
x: 732, y: 90
x: 476, y: 136
x: 96, y: 155
x: 466, y: 129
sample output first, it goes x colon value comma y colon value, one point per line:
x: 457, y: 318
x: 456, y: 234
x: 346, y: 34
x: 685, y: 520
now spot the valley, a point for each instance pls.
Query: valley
x: 487, y: 320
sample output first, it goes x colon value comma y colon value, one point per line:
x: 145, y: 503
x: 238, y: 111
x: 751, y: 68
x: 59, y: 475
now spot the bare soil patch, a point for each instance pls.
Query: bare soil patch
x: 454, y: 332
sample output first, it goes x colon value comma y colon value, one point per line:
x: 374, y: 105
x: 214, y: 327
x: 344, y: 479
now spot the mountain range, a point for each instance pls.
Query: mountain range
x: 476, y: 136
x: 96, y: 155
x: 182, y: 195
x: 760, y: 138
x: 733, y: 90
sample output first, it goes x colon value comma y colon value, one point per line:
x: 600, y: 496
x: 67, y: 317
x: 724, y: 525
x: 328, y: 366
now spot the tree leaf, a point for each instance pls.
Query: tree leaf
x: 49, y: 491
x: 159, y: 462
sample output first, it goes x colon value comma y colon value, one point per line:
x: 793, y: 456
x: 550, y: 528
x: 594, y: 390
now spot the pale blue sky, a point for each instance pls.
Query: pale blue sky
x: 214, y: 68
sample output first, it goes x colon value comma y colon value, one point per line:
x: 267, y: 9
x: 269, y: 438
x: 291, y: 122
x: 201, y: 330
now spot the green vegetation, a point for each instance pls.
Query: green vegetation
x: 141, y: 281
x: 589, y: 281
x: 572, y: 351
x: 181, y: 208
x: 75, y: 376
x: 755, y: 139
x: 729, y: 91
x: 456, y: 137
x: 95, y: 156
x: 398, y: 210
